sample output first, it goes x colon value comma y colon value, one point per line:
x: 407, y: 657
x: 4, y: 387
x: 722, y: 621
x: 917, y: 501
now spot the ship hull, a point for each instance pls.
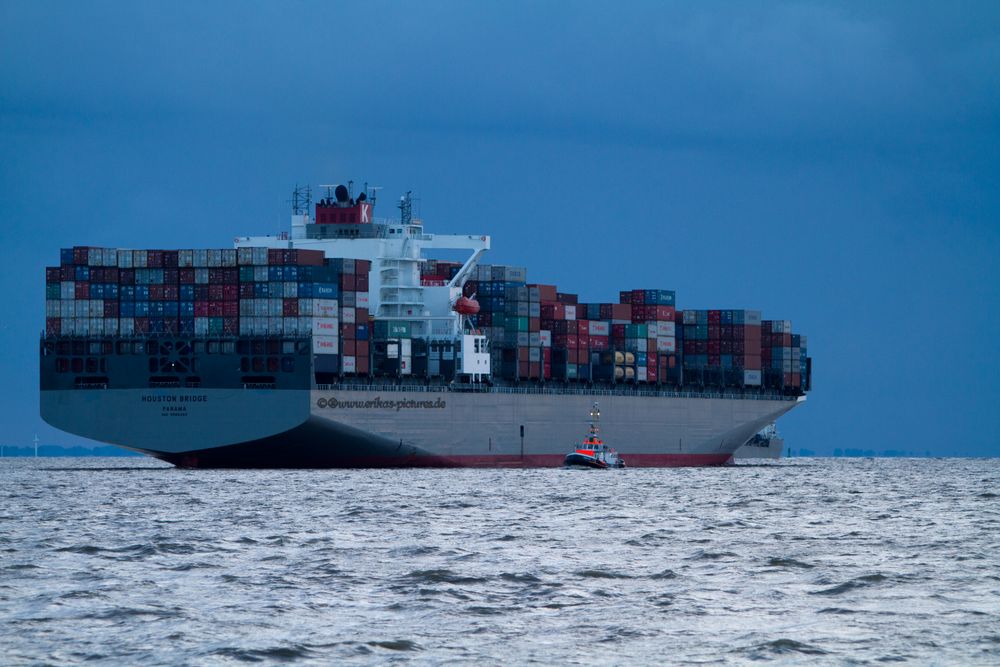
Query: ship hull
x: 406, y: 428
x: 772, y: 450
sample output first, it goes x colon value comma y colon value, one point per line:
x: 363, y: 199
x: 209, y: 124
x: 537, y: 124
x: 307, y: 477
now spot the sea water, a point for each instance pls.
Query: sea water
x: 126, y: 561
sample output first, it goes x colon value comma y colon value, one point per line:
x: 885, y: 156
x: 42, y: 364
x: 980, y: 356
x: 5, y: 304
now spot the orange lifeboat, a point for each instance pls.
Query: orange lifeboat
x: 466, y: 306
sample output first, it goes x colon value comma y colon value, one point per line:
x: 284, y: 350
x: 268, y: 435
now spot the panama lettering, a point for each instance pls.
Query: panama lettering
x: 378, y: 404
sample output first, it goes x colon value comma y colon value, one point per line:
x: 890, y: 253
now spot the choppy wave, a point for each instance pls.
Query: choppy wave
x: 829, y: 561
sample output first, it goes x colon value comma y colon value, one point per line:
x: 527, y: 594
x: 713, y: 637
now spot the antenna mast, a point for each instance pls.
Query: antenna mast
x: 301, y: 199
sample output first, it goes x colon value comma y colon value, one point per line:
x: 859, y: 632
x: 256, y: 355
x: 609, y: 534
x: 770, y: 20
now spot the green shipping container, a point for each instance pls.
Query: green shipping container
x: 52, y: 291
x: 391, y: 329
x: 513, y: 323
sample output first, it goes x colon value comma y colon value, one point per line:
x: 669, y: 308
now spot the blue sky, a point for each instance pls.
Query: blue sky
x: 832, y: 164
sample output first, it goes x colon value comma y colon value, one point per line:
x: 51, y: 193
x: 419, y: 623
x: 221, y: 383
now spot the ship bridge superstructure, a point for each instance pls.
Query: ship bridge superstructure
x: 343, y: 226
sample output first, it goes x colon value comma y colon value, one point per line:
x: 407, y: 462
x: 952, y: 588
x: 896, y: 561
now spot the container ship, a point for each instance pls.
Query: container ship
x: 344, y: 342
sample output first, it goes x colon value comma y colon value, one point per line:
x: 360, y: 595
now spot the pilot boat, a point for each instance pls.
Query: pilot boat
x: 592, y: 452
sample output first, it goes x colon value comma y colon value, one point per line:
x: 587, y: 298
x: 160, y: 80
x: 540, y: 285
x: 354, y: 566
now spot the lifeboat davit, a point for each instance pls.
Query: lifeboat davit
x: 466, y: 306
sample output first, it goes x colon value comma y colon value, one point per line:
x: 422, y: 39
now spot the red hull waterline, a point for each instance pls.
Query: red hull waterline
x: 465, y: 461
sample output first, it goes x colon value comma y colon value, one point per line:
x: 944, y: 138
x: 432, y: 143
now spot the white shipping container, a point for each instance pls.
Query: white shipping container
x: 260, y: 257
x: 246, y: 307
x: 349, y: 364
x: 126, y: 326
x: 201, y: 275
x: 81, y: 308
x: 326, y: 307
x: 664, y: 329
x: 68, y: 326
x: 139, y: 259
x: 67, y: 289
x: 260, y: 274
x: 260, y: 307
x: 571, y: 312
x: 666, y: 344
x: 125, y: 259
x: 275, y: 324
x: 246, y: 326
x: 599, y: 328
x: 325, y: 345
x: 545, y: 337
x: 67, y: 309
x: 110, y: 257
x: 97, y: 307
x: 640, y: 373
x: 291, y: 290
x: 290, y: 325
x: 348, y: 299
x: 751, y: 378
x: 259, y: 325
x: 201, y: 326
x: 361, y: 299
x: 214, y: 257
x: 305, y: 307
x: 185, y: 259
x: 751, y: 317
x: 97, y: 326
x: 52, y: 308
x: 325, y: 326
x: 244, y: 256
x: 229, y: 257
x: 405, y: 347
x: 305, y: 326
x: 111, y: 326
x: 274, y: 307
x: 95, y: 257
x: 347, y: 315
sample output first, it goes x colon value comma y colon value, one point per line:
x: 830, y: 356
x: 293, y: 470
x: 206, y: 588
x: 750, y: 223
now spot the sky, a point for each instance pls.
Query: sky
x: 835, y: 164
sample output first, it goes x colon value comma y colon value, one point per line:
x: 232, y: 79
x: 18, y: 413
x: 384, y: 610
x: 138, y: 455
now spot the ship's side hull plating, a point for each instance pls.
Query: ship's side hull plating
x: 255, y: 428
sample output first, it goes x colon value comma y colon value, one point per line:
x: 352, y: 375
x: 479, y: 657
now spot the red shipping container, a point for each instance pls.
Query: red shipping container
x: 231, y: 325
x: 715, y: 317
x: 701, y: 347
x: 361, y: 282
x: 290, y: 308
x: 348, y: 282
x: 230, y: 308
x: 347, y: 331
x: 154, y: 259
x: 361, y: 364
x: 215, y: 276
x: 156, y: 292
x: 534, y: 324
x: 230, y: 276
x: 246, y: 291
x: 545, y: 292
x: 170, y: 292
x: 714, y: 347
x: 170, y: 276
x: 553, y: 311
x: 110, y: 308
x: 725, y: 347
x: 230, y: 292
x: 170, y: 258
x: 690, y: 347
x: 185, y: 276
x: 547, y: 371
x: 53, y: 326
x: 215, y: 292
x: 201, y: 308
x: 651, y: 373
x: 82, y: 289
x: 67, y: 273
x: 361, y: 315
x: 348, y: 347
x: 567, y: 299
x: 216, y: 308
x: 361, y: 348
x: 275, y: 257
